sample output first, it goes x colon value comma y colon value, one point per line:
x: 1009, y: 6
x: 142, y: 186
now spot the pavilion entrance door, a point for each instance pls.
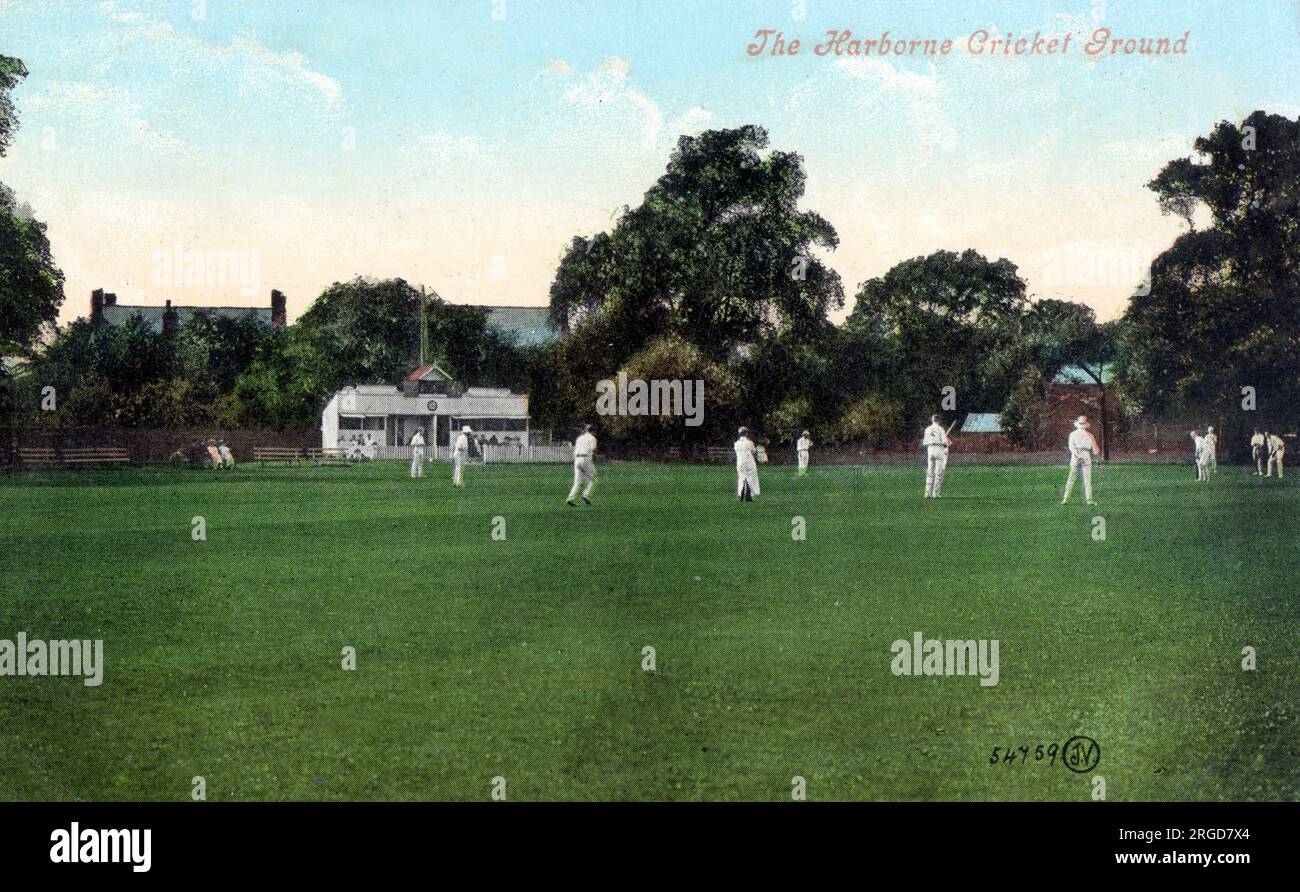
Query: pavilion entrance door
x: 407, y: 425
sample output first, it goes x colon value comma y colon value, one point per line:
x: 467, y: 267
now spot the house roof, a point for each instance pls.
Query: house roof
x: 529, y: 326
x: 427, y: 372
x: 982, y: 423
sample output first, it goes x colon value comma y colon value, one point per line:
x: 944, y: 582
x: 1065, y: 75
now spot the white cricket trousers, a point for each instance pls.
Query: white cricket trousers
x: 1275, y: 456
x: 1080, y: 463
x: 746, y: 475
x: 936, y: 460
x: 1203, y: 470
x: 803, y: 459
x: 458, y: 468
x: 417, y: 461
x: 584, y: 471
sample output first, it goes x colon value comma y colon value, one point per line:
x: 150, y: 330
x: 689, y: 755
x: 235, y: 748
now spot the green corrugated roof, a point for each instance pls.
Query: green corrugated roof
x: 982, y: 423
x: 1073, y: 374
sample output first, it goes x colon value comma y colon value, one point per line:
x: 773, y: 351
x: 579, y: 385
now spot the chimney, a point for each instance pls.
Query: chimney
x: 169, y: 319
x: 277, y: 309
x: 110, y: 299
x: 97, y: 306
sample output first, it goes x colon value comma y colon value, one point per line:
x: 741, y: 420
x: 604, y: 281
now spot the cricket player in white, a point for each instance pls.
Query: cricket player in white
x: 1257, y: 445
x: 1212, y: 440
x: 802, y: 450
x: 584, y: 466
x: 746, y: 467
x: 936, y: 443
x: 417, y: 453
x: 459, y: 455
x: 1276, y: 449
x: 1083, y: 446
x: 1202, y: 452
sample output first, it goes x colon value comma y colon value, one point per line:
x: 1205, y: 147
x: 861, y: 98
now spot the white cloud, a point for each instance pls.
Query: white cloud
x: 889, y: 77
x: 884, y: 87
x: 257, y: 65
x: 285, y: 78
x: 605, y: 98
x: 84, y: 111
x: 691, y: 122
x: 115, y: 12
x: 558, y: 66
x: 616, y: 66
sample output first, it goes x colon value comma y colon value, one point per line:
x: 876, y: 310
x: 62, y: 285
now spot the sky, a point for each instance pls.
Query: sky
x: 207, y: 151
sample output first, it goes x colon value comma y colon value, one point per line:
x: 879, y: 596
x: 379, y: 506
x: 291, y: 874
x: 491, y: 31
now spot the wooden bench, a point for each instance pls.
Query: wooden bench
x: 96, y: 455
x: 265, y: 454
x: 33, y: 455
x: 325, y: 455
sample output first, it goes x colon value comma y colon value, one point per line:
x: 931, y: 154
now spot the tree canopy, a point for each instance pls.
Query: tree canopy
x: 718, y: 253
x: 719, y: 275
x: 945, y: 320
x: 1223, y: 310
x: 31, y: 286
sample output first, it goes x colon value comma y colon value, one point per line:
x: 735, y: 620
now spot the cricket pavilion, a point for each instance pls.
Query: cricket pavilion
x: 427, y: 400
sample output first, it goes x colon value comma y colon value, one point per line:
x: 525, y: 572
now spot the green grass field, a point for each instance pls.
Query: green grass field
x: 522, y: 658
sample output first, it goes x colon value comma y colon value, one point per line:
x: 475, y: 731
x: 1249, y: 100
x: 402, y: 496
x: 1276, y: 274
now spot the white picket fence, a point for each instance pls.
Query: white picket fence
x: 495, y: 455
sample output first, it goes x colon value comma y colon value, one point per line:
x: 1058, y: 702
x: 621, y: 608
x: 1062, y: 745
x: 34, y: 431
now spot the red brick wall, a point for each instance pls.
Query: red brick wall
x: 1054, y: 416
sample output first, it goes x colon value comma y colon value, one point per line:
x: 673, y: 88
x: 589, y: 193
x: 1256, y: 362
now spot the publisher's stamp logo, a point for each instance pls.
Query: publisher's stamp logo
x: 1082, y: 754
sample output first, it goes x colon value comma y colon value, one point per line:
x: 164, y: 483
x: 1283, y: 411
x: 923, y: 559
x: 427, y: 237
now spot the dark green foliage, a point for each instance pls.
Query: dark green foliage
x: 1223, y: 311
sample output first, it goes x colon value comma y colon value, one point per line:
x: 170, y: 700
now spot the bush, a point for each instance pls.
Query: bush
x: 788, y: 420
x: 871, y: 420
x: 1023, y: 406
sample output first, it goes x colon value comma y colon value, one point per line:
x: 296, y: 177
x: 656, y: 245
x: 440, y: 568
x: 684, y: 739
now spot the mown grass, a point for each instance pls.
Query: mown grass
x: 522, y: 657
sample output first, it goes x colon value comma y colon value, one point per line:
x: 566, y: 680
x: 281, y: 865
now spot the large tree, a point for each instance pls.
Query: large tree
x: 368, y: 330
x: 286, y: 384
x: 717, y: 256
x: 31, y: 286
x: 1223, y: 309
x: 943, y: 319
x: 12, y: 71
x: 718, y: 253
x: 375, y: 330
